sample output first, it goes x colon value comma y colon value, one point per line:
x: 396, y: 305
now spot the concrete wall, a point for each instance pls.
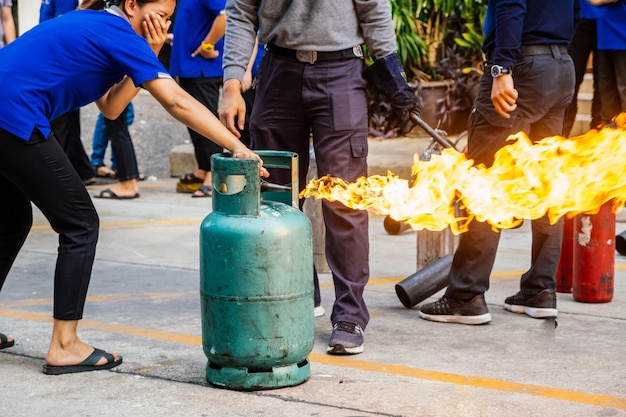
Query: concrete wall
x: 27, y: 13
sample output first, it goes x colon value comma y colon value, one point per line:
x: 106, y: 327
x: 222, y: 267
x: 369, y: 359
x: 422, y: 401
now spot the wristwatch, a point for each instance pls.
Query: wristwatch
x: 498, y: 70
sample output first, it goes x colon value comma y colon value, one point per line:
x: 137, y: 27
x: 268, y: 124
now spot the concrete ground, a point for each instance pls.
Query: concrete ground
x: 144, y: 303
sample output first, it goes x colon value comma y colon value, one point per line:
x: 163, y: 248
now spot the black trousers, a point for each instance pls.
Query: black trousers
x: 293, y: 100
x: 39, y: 171
x: 122, y: 147
x: 66, y: 130
x: 583, y: 44
x: 207, y: 92
x: 612, y: 83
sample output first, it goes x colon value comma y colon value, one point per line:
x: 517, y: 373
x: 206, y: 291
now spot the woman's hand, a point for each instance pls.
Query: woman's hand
x: 155, y: 31
x: 244, y: 152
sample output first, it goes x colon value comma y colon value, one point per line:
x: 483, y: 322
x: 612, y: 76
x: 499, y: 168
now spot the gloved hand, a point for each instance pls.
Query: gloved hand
x: 388, y: 76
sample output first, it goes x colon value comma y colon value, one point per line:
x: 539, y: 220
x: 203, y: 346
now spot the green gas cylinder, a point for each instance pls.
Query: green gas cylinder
x: 256, y: 278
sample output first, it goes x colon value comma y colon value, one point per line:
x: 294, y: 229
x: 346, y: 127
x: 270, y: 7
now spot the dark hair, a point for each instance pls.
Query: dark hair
x: 103, y: 4
x: 92, y: 5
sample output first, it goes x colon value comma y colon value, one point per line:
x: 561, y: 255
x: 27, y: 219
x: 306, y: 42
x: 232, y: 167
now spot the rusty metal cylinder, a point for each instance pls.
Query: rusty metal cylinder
x: 566, y: 264
x: 594, y: 256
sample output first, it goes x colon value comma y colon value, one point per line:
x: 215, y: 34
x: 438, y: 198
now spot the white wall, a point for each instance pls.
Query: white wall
x: 27, y: 14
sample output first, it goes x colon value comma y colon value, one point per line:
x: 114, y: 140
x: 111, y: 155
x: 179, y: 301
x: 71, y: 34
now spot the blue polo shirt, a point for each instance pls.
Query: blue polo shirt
x: 194, y: 19
x: 67, y: 62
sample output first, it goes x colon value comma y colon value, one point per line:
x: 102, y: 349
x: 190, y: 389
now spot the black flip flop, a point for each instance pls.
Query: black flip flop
x: 206, y: 190
x: 4, y: 341
x: 111, y: 195
x: 190, y: 178
x: 89, y: 364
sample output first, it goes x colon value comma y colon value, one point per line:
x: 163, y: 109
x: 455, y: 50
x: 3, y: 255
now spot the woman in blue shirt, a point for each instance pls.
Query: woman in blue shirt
x: 60, y: 65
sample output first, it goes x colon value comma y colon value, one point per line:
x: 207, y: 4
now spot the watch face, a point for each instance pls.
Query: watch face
x: 496, y: 71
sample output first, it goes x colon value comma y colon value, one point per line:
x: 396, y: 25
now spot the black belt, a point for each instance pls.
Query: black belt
x: 528, y: 50
x: 555, y: 50
x: 312, y: 57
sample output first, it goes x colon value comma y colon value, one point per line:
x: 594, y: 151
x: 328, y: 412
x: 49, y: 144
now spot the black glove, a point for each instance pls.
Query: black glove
x: 387, y: 75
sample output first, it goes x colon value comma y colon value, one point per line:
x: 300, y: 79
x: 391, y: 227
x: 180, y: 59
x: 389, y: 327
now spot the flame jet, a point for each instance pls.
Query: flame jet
x: 554, y: 176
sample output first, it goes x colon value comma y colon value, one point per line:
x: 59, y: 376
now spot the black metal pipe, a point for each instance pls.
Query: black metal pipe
x: 443, y: 141
x: 427, y: 281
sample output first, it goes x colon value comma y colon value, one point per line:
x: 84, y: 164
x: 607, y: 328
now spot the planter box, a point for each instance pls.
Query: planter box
x: 431, y: 94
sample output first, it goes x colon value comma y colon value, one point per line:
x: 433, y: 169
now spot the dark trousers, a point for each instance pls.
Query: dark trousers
x: 207, y: 92
x: 39, y: 171
x: 583, y: 45
x: 326, y: 99
x: 66, y: 130
x: 612, y: 83
x: 545, y: 84
x: 122, y: 147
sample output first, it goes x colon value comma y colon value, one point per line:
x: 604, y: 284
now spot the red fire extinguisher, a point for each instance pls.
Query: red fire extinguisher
x: 564, y: 271
x: 594, y: 256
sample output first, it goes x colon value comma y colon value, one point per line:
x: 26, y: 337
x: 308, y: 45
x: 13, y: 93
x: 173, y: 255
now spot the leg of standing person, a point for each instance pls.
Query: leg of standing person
x: 331, y: 101
x: 583, y: 45
x: 99, y: 145
x: 66, y: 129
x: 620, y: 77
x: 612, y: 71
x: 612, y: 68
x: 127, y: 172
x: 39, y: 171
x: 206, y: 91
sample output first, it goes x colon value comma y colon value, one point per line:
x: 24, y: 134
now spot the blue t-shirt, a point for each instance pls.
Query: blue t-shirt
x: 55, y: 8
x: 194, y: 19
x: 67, y: 62
x: 611, y: 26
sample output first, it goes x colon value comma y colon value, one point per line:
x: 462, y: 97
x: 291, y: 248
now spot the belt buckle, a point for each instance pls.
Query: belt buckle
x: 357, y: 51
x: 307, y: 56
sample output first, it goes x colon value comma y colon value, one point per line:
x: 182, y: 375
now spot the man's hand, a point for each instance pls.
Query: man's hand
x: 233, y: 106
x: 155, y: 31
x: 504, y: 95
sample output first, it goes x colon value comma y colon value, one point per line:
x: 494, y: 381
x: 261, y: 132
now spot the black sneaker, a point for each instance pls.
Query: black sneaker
x: 347, y: 339
x: 539, y: 306
x: 448, y: 310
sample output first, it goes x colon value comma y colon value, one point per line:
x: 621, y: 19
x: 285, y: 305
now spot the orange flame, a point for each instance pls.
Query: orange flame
x: 554, y: 176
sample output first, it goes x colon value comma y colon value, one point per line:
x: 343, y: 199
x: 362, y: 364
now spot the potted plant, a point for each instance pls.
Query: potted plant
x: 439, y: 43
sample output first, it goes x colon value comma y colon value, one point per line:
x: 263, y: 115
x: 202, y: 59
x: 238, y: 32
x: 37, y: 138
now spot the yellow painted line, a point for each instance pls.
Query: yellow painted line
x: 133, y: 223
x: 111, y: 328
x: 472, y: 381
x: 106, y: 298
x: 352, y: 363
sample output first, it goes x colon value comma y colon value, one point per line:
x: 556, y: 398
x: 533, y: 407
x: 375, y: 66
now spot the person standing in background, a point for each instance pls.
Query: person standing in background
x: 196, y: 62
x: 7, y: 24
x: 527, y: 84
